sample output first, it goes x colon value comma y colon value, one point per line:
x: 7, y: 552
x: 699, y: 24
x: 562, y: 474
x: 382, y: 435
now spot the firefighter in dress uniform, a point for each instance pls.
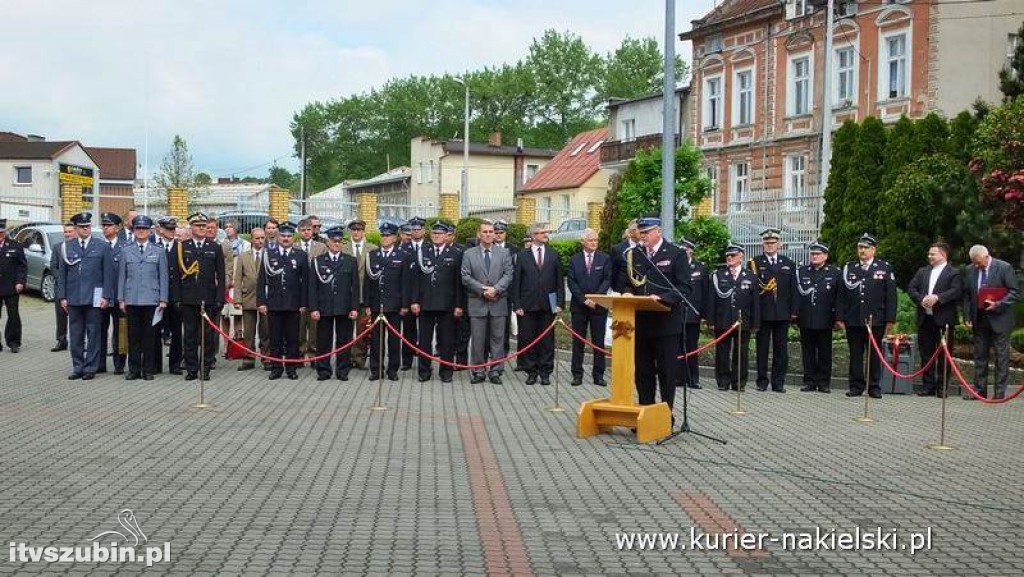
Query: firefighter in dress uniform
x: 437, y: 296
x: 282, y: 294
x: 386, y: 290
x: 817, y: 286
x: 733, y: 297
x: 334, y: 303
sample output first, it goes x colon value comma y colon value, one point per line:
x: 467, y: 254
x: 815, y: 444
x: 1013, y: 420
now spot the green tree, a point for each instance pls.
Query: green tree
x: 864, y: 184
x: 636, y: 68
x: 999, y: 165
x: 502, y: 100
x: 1011, y: 78
x: 284, y: 178
x: 835, y: 192
x: 567, y: 75
x: 710, y: 235
x: 177, y: 170
x: 902, y: 148
x: 203, y: 179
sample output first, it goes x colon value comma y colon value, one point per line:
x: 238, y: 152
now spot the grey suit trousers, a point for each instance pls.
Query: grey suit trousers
x: 487, y: 334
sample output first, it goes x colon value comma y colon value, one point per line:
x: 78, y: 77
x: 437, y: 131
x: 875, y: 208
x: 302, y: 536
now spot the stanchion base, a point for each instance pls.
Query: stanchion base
x: 555, y: 409
x: 652, y: 422
x: 378, y: 408
x: 739, y: 412
x: 940, y: 447
x: 863, y: 419
x: 203, y: 406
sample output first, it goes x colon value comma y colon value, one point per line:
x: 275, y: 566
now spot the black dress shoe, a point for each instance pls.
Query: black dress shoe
x: 925, y: 393
x: 423, y: 379
x: 875, y: 394
x: 374, y: 377
x: 274, y: 375
x: 545, y: 381
x: 406, y: 367
x: 519, y: 370
x: 246, y: 367
x: 118, y: 371
x: 15, y: 349
x: 131, y: 377
x: 88, y: 376
x: 721, y: 388
x: 74, y: 376
x: 191, y: 375
x: 60, y: 346
x: 762, y: 388
x: 392, y: 375
x: 292, y: 375
x: 576, y: 381
x: 323, y: 377
x: 101, y: 371
x: 853, y: 394
x: 808, y: 389
x: 343, y: 377
x: 443, y: 379
x: 496, y: 379
x: 600, y: 383
x: 147, y: 377
x: 531, y: 380
x: 175, y: 371
x: 778, y: 390
x: 695, y: 386
x: 825, y: 390
x: 477, y: 379
x: 999, y: 396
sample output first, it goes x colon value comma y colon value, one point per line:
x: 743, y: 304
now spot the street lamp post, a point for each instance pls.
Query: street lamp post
x: 464, y: 190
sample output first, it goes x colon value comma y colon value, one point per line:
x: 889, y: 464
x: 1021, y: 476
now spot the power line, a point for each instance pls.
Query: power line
x: 241, y: 170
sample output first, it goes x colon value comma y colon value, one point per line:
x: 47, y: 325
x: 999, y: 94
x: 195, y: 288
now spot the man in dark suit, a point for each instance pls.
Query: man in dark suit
x: 734, y: 297
x: 13, y: 270
x: 197, y: 281
x: 436, y: 298
x: 113, y: 318
x: 410, y: 323
x: 170, y: 326
x: 618, y: 254
x: 992, y: 319
x: 689, y: 370
x: 60, y: 315
x: 538, y: 292
x: 660, y: 270
x: 867, y: 301
x: 501, y: 241
x: 282, y: 294
x: 590, y: 272
x: 817, y: 286
x: 85, y: 286
x: 937, y: 290
x: 334, y: 303
x: 387, y: 289
x: 775, y: 274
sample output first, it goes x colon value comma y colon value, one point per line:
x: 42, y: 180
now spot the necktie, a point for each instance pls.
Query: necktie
x: 540, y: 256
x: 590, y: 262
x: 82, y: 242
x: 735, y: 273
x: 487, y: 260
x: 142, y: 249
x: 334, y: 257
x: 984, y: 277
x: 357, y: 252
x: 259, y: 257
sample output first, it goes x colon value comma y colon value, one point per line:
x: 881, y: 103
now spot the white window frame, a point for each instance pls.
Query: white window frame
x: 711, y: 172
x: 628, y: 129
x: 739, y: 94
x: 739, y: 185
x: 544, y: 211
x: 792, y: 108
x: 1012, y: 41
x: 851, y: 72
x: 528, y: 173
x: 419, y: 173
x: 798, y: 8
x: 17, y: 170
x: 712, y: 121
x: 430, y: 171
x: 796, y: 180
x: 886, y: 61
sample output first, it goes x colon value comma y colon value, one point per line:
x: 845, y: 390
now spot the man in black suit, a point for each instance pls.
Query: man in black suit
x: 937, y: 290
x: 282, y: 294
x: 590, y: 272
x: 734, y: 297
x: 618, y: 259
x: 538, y: 292
x: 333, y: 303
x: 436, y: 298
x: 196, y: 280
x: 660, y: 270
x: 991, y: 319
x: 387, y: 290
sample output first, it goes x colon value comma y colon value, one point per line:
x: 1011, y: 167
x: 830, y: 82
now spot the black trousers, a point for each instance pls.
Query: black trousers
x: 593, y: 320
x: 192, y: 323
x: 462, y: 335
x: 816, y: 345
x: 441, y: 324
x: 772, y: 334
x: 857, y: 339
x: 410, y: 323
x: 689, y: 368
x: 61, y: 318
x: 141, y: 334
x: 540, y: 360
x: 331, y: 333
x: 170, y: 325
x: 986, y: 341
x: 12, y: 331
x: 394, y: 351
x: 656, y: 367
x: 284, y: 339
x: 726, y: 353
x: 111, y: 333
x: 929, y: 335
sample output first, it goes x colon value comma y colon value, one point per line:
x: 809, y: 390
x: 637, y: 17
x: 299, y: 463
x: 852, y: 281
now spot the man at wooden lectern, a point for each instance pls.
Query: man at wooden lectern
x: 660, y: 270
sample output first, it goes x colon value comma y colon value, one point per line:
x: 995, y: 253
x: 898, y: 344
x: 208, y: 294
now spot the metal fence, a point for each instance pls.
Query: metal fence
x: 798, y: 217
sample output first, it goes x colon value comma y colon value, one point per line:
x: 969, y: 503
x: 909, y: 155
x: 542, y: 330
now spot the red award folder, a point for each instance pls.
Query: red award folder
x: 994, y: 294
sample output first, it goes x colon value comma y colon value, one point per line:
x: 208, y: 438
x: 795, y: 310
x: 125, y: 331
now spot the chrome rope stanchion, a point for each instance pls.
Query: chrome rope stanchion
x: 739, y: 410
x: 556, y: 408
x: 202, y: 404
x: 377, y: 406
x: 941, y: 445
x: 866, y: 417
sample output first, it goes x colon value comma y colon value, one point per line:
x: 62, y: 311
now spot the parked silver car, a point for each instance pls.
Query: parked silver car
x: 39, y: 241
x: 570, y: 229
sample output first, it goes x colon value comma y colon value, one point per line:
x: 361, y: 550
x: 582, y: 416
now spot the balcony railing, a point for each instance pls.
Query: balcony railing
x: 625, y: 150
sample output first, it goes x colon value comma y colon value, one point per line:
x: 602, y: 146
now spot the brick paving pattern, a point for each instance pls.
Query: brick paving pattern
x: 301, y: 477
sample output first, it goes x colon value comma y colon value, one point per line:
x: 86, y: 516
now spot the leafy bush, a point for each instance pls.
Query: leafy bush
x: 1017, y: 340
x: 962, y: 334
x: 906, y: 313
x: 710, y: 235
x: 566, y: 248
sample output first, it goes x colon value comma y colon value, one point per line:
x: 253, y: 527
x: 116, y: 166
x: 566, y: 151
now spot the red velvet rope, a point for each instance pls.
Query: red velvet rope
x: 714, y: 342
x: 974, y: 393
x: 608, y: 353
x: 455, y: 365
x: 888, y: 367
x: 584, y: 340
x: 268, y: 358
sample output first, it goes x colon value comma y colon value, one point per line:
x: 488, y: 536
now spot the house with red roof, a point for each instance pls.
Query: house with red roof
x: 574, y: 177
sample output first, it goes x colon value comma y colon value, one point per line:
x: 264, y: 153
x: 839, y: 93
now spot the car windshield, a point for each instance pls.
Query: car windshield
x: 55, y: 238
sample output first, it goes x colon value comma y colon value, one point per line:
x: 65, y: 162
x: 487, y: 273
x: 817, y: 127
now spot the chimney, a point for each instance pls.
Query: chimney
x: 494, y: 139
x: 35, y: 138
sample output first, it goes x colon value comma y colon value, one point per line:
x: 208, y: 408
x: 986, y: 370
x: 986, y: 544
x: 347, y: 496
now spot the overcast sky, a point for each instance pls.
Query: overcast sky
x: 228, y: 74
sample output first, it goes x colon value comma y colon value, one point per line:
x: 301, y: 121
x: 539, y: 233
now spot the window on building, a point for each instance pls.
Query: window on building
x: 795, y: 180
x: 22, y: 175
x: 531, y: 171
x: 744, y: 102
x: 566, y: 205
x: 896, y: 78
x: 715, y: 44
x: 798, y: 8
x: 628, y: 129
x: 799, y: 96
x: 578, y: 149
x: 430, y: 171
x: 846, y: 8
x: 711, y: 172
x: 713, y: 103
x: 846, y: 77
x: 1012, y: 42
x: 740, y: 185
x: 544, y: 214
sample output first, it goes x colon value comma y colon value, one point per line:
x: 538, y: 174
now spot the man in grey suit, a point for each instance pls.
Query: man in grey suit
x: 85, y: 286
x: 487, y: 275
x: 142, y: 288
x: 60, y: 315
x: 992, y: 319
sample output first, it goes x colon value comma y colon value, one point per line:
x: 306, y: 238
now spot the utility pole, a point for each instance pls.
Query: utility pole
x: 826, y: 107
x: 302, y: 176
x: 668, y: 127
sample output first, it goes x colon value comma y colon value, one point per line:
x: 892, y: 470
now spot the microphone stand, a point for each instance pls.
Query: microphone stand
x: 684, y: 427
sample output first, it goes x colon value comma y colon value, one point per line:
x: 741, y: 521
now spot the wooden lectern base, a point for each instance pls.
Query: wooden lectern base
x: 652, y: 422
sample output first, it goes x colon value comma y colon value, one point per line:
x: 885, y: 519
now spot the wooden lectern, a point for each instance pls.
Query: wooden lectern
x: 652, y: 422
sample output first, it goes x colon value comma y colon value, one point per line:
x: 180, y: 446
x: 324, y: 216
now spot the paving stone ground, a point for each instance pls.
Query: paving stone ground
x: 302, y: 477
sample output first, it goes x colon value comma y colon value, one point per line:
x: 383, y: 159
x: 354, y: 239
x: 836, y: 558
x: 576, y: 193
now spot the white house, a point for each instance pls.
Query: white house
x: 35, y: 174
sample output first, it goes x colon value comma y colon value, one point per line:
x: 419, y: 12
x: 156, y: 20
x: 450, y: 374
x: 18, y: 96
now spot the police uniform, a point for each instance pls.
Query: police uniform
x: 387, y: 289
x: 197, y: 280
x: 334, y: 294
x: 662, y: 270
x: 689, y: 370
x: 410, y: 323
x: 281, y: 288
x: 868, y: 293
x: 817, y: 296
x: 733, y: 297
x: 13, y: 271
x: 113, y: 320
x: 170, y: 326
x: 84, y: 282
x: 142, y: 287
x: 437, y: 288
x: 777, y: 286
